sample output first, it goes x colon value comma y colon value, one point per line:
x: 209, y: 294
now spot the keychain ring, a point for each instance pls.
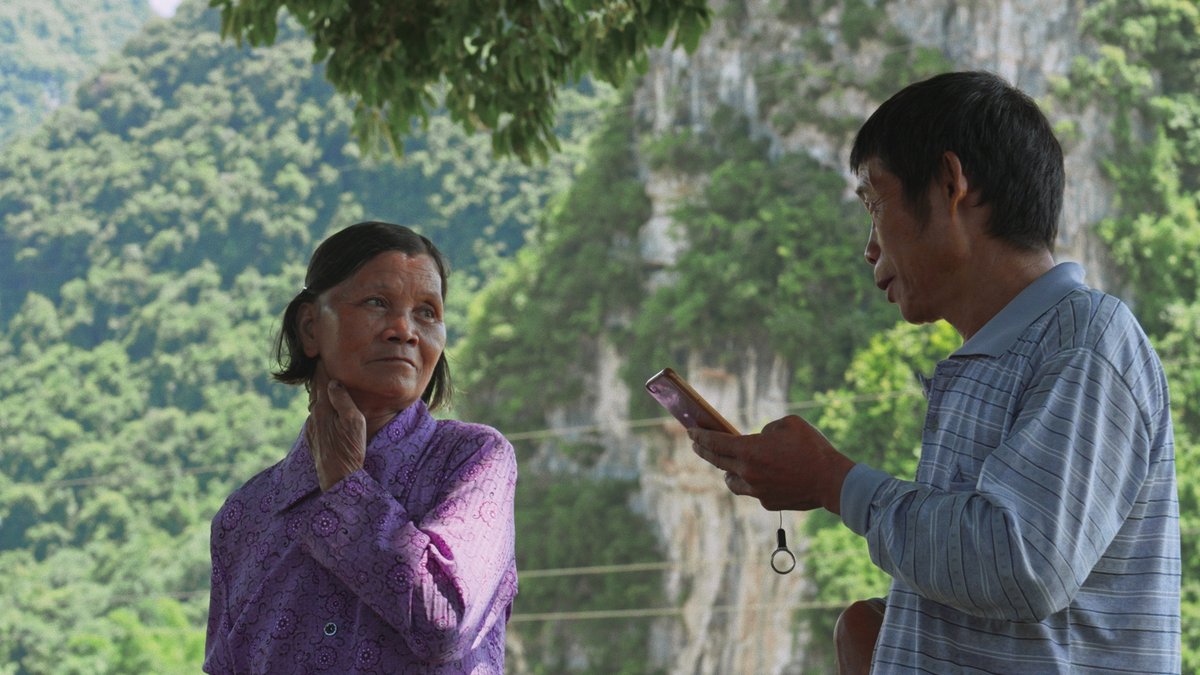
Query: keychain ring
x: 782, y: 561
x: 782, y: 565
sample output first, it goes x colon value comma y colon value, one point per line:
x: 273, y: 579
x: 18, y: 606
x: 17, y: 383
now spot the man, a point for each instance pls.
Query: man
x: 1041, y: 532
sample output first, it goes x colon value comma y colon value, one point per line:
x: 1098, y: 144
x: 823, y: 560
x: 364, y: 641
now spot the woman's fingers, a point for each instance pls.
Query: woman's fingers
x: 336, y: 434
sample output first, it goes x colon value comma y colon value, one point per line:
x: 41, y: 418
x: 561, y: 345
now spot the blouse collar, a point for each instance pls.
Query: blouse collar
x: 296, y: 476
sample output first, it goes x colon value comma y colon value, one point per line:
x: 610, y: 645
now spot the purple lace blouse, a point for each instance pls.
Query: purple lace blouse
x: 405, y: 566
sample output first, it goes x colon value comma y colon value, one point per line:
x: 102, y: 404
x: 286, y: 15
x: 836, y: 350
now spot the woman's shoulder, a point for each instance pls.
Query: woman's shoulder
x: 460, y: 431
x: 472, y: 442
x: 257, y: 493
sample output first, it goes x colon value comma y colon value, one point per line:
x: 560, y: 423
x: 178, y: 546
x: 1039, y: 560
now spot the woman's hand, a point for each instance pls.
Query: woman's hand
x: 336, y: 430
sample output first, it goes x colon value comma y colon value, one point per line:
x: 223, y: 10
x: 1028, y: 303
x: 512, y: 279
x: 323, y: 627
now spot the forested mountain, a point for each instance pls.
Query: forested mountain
x: 152, y: 230
x: 47, y: 46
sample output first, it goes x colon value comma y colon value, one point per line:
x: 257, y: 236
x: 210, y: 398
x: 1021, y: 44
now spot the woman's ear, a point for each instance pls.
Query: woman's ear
x: 306, y: 327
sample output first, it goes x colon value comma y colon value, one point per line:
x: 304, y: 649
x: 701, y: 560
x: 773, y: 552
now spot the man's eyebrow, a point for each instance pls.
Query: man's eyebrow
x: 864, y: 184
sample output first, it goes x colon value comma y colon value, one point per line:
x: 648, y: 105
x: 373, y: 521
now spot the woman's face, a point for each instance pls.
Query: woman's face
x: 380, y: 332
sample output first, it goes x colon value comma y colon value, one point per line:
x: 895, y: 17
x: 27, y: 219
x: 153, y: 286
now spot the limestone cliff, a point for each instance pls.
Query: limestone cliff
x: 804, y: 74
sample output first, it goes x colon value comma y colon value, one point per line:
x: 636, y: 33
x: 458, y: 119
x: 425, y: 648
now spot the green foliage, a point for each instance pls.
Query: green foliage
x: 582, y: 523
x: 772, y: 261
x: 859, y: 21
x: 498, y: 66
x: 801, y: 92
x: 724, y: 141
x: 683, y: 150
x: 48, y: 46
x: 875, y: 417
x: 1147, y: 73
x: 804, y: 11
x: 528, y: 331
x: 1180, y: 353
x: 1148, y: 69
x: 150, y: 236
x: 878, y: 413
x: 157, y: 636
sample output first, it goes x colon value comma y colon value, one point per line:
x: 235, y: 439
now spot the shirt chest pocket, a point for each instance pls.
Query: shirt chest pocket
x: 957, y: 443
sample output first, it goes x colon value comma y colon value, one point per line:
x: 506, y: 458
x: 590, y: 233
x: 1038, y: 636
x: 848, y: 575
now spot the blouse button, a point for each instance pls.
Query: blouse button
x: 331, y: 629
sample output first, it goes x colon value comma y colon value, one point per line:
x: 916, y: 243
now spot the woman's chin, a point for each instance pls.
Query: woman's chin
x: 382, y: 399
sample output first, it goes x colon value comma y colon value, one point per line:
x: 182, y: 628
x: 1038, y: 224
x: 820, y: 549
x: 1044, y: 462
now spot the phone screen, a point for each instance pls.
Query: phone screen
x: 684, y: 404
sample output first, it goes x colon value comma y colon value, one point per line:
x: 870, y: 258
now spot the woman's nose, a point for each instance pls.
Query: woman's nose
x: 400, y: 327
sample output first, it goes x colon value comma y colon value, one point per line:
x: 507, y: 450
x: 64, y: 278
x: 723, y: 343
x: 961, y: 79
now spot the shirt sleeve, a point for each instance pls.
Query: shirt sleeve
x: 1047, y: 504
x: 443, y: 582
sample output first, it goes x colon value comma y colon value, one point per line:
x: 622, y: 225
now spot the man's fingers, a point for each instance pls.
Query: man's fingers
x: 715, y: 448
x: 736, y: 484
x: 710, y: 440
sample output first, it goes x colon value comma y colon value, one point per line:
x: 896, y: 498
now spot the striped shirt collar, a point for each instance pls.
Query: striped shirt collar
x: 1002, y: 330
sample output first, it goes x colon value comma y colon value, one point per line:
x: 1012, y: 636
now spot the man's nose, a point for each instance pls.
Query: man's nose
x: 871, y: 253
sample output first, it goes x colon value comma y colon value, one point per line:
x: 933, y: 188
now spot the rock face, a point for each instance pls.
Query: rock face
x: 736, y: 615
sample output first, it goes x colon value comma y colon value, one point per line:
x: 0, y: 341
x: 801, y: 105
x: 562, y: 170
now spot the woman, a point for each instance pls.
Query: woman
x: 383, y: 542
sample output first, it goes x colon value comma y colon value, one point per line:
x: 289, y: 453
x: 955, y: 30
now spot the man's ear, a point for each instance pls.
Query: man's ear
x: 953, y: 181
x: 306, y: 326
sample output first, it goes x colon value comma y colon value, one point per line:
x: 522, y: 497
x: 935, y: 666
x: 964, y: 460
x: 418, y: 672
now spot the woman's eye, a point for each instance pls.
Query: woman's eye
x: 375, y: 302
x: 428, y: 313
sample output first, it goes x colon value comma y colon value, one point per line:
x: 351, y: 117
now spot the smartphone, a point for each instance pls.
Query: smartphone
x: 684, y: 404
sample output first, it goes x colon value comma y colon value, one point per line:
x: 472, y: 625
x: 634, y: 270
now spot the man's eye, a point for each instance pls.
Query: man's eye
x: 375, y: 302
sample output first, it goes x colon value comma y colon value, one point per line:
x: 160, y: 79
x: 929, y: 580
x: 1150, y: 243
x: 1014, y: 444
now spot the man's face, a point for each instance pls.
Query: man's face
x: 918, y: 262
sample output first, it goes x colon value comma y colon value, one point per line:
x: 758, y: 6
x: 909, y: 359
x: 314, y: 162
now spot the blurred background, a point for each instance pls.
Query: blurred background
x: 161, y: 189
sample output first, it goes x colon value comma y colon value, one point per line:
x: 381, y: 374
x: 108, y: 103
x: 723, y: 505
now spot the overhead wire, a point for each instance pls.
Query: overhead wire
x: 533, y: 435
x: 580, y: 615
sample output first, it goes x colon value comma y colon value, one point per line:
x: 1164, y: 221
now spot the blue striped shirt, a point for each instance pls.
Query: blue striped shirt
x: 1041, y: 534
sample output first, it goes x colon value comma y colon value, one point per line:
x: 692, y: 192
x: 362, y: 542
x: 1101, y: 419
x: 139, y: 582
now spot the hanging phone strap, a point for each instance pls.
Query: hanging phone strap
x: 782, y: 560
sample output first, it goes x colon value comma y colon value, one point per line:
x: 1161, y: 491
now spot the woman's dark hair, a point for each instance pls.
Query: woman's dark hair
x: 1004, y: 142
x: 334, y: 261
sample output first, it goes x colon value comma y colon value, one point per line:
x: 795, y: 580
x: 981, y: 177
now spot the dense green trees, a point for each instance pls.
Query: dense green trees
x: 47, y: 46
x: 150, y: 234
x: 1149, y: 68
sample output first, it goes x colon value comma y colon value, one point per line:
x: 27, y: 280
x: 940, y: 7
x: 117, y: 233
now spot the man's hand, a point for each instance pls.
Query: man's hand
x: 336, y: 430
x: 790, y: 465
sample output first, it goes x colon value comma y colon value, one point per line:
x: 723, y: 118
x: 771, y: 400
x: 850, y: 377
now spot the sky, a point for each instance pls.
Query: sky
x: 164, y: 7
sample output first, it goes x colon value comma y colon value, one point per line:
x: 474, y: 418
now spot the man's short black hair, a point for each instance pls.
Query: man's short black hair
x: 1004, y: 142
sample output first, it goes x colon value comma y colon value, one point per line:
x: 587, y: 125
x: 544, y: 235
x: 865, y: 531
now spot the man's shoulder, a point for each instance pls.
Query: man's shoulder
x: 1091, y: 319
x: 1092, y: 324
